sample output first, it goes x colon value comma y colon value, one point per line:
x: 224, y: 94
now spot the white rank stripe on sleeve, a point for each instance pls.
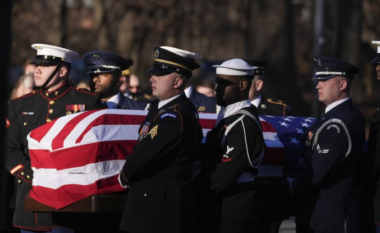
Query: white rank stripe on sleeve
x: 334, y: 126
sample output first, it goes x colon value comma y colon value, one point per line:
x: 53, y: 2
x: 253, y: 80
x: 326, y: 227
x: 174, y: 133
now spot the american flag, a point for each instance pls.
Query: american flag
x: 82, y: 154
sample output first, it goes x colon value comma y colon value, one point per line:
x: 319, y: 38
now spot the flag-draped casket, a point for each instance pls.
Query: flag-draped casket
x: 82, y: 154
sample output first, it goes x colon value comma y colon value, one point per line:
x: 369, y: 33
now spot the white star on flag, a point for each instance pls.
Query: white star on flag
x: 308, y: 120
x: 305, y: 124
x: 300, y: 131
x: 294, y: 140
x: 287, y: 119
x: 283, y: 124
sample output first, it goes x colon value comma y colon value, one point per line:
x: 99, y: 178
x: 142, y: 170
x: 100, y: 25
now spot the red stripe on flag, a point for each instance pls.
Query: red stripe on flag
x: 57, y: 142
x: 69, y: 194
x: 207, y: 123
x: 267, y: 127
x: 95, y: 152
x: 41, y: 132
x: 41, y: 159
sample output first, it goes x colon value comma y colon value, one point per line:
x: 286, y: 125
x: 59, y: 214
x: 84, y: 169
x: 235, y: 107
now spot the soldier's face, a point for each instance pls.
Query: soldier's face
x: 166, y: 86
x: 105, y: 84
x: 331, y: 90
x: 226, y: 90
x: 42, y: 73
x: 378, y: 72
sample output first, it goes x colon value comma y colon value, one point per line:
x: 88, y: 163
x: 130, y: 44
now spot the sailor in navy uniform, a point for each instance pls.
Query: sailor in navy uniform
x: 231, y: 156
x: 264, y: 105
x: 105, y: 69
x: 53, y: 98
x: 158, y: 171
x: 334, y: 146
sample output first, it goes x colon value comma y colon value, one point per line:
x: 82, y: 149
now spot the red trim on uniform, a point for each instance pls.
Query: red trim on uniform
x: 86, y: 92
x: 226, y: 160
x: 15, y: 169
x: 20, y: 176
x: 34, y: 229
x: 7, y: 123
x: 55, y: 97
x: 26, y: 95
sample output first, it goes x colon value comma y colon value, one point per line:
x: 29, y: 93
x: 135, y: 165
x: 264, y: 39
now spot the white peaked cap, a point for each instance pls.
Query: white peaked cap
x: 182, y: 53
x: 378, y: 45
x: 49, y: 50
x: 235, y: 66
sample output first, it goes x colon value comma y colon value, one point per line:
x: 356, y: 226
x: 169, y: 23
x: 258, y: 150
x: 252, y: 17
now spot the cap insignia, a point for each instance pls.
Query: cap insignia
x: 263, y: 106
x: 318, y: 61
x: 38, y: 47
x: 96, y: 55
x: 156, y: 53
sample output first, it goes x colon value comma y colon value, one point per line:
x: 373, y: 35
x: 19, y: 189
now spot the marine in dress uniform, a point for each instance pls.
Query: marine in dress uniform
x: 334, y: 146
x: 264, y: 105
x: 158, y: 171
x: 105, y: 69
x: 232, y: 153
x: 53, y: 99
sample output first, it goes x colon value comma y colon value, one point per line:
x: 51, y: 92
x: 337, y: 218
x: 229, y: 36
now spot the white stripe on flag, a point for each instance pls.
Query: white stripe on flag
x: 47, y: 140
x: 110, y: 133
x: 272, y: 140
x: 85, y: 175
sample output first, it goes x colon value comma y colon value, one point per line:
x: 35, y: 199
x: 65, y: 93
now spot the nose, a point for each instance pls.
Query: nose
x: 318, y: 85
x: 95, y: 79
x: 378, y: 68
x: 152, y: 79
x: 37, y: 70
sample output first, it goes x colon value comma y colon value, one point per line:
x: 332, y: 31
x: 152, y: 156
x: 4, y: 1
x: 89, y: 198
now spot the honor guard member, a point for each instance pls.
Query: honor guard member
x: 334, y: 144
x: 105, y: 69
x: 53, y: 99
x: 264, y: 105
x: 371, y: 213
x: 158, y: 171
x: 233, y: 151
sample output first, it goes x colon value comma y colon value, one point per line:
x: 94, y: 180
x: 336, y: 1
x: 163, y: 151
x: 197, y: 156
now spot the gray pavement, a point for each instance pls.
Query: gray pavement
x: 288, y: 226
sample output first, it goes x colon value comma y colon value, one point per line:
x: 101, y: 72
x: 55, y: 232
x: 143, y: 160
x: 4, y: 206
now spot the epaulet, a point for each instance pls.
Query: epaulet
x: 26, y: 95
x: 279, y: 102
x: 84, y: 91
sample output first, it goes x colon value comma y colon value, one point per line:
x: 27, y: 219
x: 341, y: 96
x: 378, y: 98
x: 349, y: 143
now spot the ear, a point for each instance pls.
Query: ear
x: 259, y: 84
x: 343, y: 85
x: 243, y: 85
x: 62, y: 72
x: 178, y: 82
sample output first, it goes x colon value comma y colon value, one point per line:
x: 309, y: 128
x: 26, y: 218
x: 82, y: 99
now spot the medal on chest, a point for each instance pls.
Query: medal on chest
x: 144, y: 130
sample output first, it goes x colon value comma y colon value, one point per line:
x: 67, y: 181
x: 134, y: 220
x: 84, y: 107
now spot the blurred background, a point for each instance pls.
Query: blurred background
x: 287, y: 33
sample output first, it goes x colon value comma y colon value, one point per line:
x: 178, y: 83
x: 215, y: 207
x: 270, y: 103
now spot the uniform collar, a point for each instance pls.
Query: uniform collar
x: 256, y: 101
x: 113, y: 101
x: 336, y: 103
x: 164, y: 102
x: 189, y: 91
x: 231, y: 109
x: 57, y: 93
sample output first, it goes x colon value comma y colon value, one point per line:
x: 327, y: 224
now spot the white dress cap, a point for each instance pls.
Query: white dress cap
x: 49, y: 50
x: 378, y: 45
x: 182, y: 53
x: 236, y: 67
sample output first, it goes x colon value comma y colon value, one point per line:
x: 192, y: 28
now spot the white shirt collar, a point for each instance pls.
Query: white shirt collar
x: 189, y: 91
x: 113, y: 101
x: 336, y: 103
x: 231, y: 109
x: 162, y: 103
x: 256, y: 101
